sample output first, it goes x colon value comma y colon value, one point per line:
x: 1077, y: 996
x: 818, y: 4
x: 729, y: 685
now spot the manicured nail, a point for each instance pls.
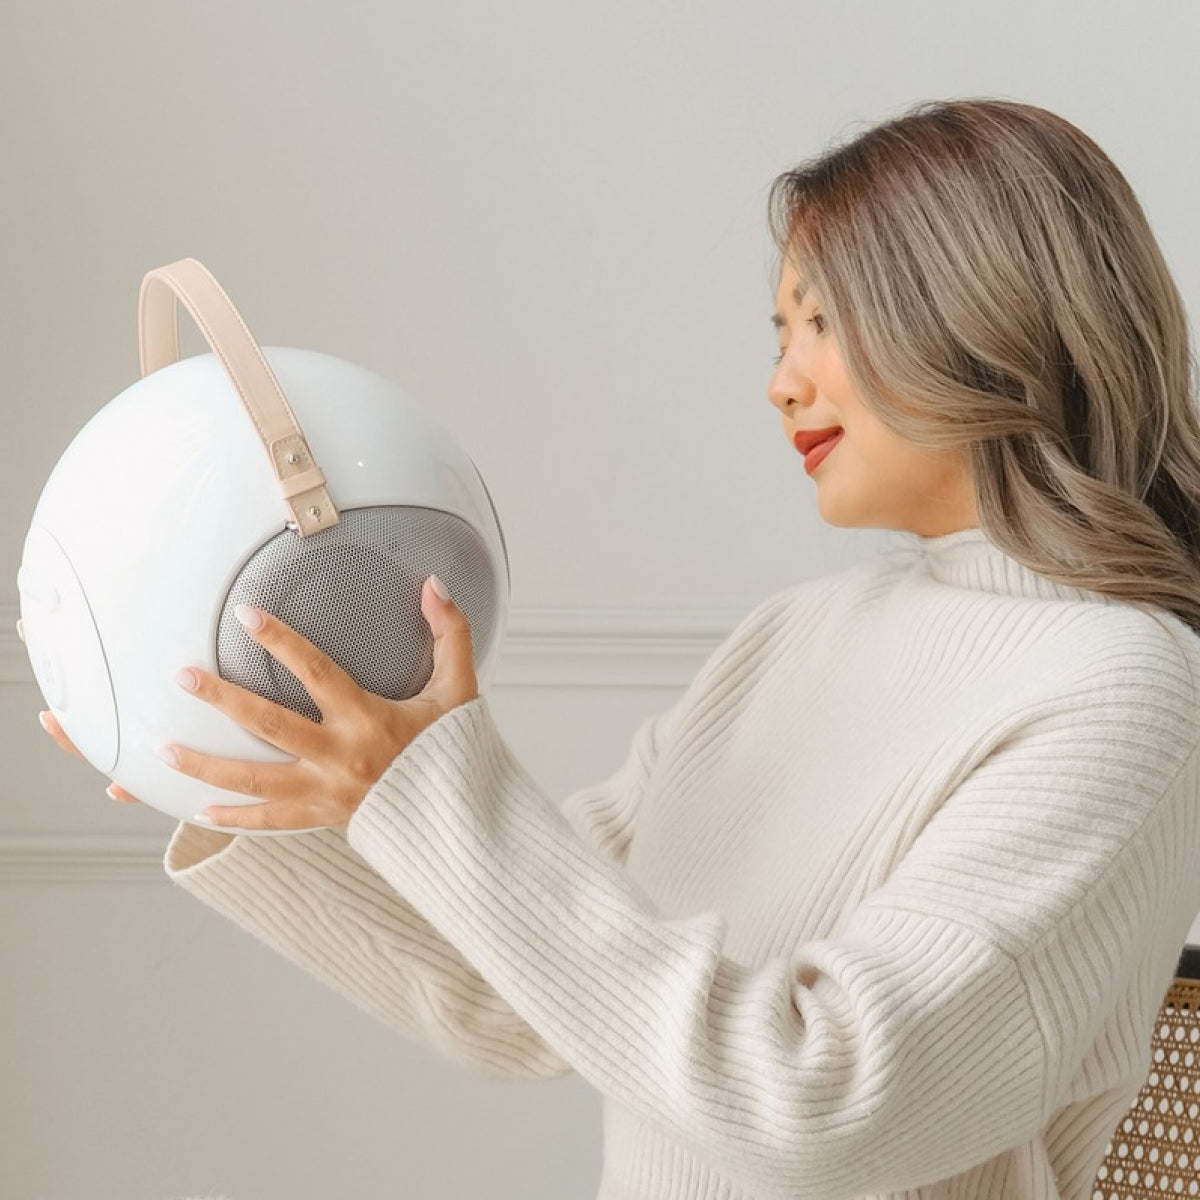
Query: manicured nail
x: 21, y: 629
x: 202, y: 819
x: 187, y: 679
x: 108, y: 791
x: 439, y: 587
x: 251, y: 618
x: 44, y: 721
x: 168, y: 756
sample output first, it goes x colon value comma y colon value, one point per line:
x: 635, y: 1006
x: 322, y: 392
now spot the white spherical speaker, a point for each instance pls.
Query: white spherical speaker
x: 281, y: 478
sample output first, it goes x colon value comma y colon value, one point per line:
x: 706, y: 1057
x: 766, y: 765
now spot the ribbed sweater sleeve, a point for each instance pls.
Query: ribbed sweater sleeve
x: 311, y: 897
x: 933, y: 1032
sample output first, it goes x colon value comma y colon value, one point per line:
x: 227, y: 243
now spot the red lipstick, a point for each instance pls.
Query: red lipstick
x: 815, y: 444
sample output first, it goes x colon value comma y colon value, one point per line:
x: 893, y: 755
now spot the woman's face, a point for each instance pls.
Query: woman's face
x: 872, y: 477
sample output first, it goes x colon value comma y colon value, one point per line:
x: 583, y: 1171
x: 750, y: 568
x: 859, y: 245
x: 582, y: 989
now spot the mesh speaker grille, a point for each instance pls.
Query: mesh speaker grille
x: 355, y: 591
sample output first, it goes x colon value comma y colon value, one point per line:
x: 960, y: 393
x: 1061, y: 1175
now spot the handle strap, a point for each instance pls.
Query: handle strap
x: 301, y: 481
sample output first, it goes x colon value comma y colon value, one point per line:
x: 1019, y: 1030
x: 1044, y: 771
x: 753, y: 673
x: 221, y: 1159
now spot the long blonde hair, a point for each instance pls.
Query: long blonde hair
x: 994, y: 284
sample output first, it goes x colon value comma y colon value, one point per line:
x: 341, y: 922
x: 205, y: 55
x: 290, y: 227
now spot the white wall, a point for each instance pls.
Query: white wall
x: 545, y: 218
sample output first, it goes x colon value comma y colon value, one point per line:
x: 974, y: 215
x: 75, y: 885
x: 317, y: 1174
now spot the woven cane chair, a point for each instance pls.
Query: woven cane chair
x: 1155, y: 1150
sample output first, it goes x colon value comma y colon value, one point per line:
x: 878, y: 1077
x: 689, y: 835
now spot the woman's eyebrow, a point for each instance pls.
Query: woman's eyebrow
x: 798, y: 294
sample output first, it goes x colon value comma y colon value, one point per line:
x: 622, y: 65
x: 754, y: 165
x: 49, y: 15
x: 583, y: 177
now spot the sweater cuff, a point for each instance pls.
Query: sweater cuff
x: 191, y: 846
x: 442, y: 760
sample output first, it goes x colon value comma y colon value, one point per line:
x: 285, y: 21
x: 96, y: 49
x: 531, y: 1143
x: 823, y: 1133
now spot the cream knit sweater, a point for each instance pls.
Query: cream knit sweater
x: 887, y: 903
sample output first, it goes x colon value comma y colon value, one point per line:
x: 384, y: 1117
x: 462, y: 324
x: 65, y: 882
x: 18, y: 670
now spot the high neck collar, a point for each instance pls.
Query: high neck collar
x: 968, y: 558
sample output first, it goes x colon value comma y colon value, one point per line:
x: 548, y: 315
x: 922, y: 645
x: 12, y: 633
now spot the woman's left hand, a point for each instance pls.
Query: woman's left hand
x: 340, y: 759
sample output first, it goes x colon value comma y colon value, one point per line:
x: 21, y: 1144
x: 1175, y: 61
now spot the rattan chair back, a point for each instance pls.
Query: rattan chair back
x: 1155, y: 1150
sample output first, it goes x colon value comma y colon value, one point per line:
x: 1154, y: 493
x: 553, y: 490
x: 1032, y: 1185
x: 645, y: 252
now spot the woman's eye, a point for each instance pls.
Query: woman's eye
x: 817, y: 321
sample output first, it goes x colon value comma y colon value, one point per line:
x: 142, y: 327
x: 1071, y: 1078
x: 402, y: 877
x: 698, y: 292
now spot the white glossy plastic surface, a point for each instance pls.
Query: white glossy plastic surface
x: 149, y: 515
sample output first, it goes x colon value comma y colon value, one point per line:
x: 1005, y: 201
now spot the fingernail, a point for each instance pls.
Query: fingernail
x: 21, y: 629
x: 187, y: 678
x: 251, y: 618
x: 202, y: 819
x: 43, y: 721
x: 167, y: 755
x: 439, y: 587
x: 110, y: 793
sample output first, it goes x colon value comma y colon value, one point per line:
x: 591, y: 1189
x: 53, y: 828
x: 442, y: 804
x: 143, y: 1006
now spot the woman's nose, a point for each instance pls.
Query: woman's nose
x: 789, y: 387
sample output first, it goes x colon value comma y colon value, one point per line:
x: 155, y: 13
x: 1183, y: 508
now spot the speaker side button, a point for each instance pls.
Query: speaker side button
x: 46, y: 597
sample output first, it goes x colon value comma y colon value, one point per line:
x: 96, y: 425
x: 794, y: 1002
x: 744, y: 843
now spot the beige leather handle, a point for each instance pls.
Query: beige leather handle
x: 301, y: 482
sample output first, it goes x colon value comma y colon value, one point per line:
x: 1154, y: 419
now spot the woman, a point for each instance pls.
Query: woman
x: 888, y: 901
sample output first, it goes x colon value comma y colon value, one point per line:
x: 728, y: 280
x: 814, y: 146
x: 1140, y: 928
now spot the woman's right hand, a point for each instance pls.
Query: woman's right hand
x: 50, y: 724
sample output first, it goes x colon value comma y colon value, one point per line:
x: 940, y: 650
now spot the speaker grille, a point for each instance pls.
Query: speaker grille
x: 354, y: 590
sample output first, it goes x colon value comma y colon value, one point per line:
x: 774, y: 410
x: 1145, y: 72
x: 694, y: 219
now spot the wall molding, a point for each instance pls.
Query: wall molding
x: 627, y: 648
x: 550, y: 647
x: 546, y: 647
x: 57, y: 858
